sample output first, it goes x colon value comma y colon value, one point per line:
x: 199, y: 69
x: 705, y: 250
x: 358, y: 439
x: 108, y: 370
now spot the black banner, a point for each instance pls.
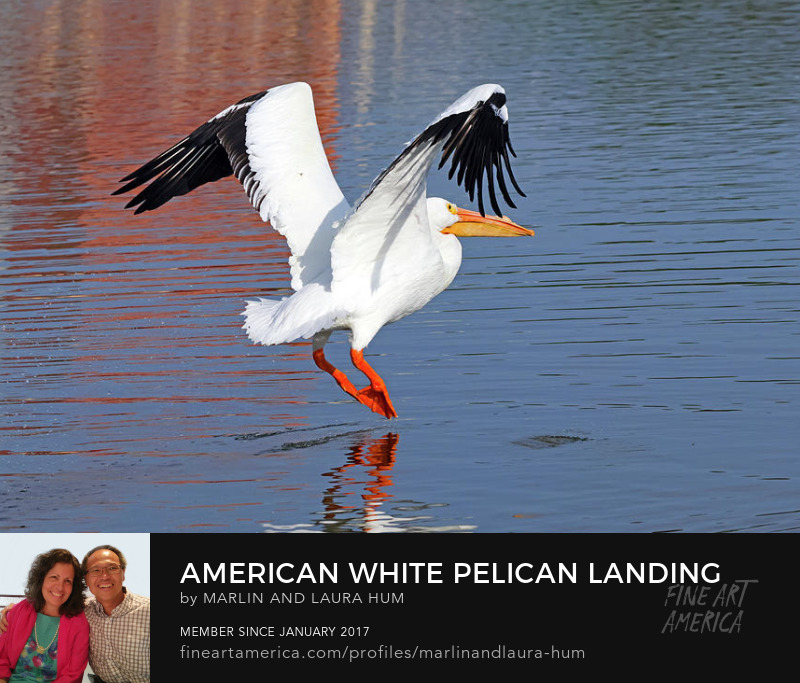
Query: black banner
x: 245, y: 605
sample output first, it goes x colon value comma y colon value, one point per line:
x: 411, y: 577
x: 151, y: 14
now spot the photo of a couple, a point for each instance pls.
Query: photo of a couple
x: 75, y: 621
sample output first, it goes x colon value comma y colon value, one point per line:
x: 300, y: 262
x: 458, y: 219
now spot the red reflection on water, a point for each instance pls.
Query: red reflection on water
x: 374, y: 458
x: 100, y: 88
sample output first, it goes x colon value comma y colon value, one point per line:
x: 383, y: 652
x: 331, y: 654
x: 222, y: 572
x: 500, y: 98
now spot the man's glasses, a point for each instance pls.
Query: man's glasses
x: 110, y: 569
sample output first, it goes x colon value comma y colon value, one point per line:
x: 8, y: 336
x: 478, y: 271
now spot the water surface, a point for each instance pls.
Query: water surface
x: 634, y: 367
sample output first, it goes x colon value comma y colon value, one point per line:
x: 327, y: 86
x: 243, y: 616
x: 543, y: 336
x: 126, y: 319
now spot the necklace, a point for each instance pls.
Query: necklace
x: 39, y: 648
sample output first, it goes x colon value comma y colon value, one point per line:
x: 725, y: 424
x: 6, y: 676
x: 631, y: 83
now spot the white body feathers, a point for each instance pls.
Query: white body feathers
x: 353, y: 268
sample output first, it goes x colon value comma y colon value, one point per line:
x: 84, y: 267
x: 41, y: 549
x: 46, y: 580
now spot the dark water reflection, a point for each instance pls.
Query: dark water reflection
x: 635, y: 367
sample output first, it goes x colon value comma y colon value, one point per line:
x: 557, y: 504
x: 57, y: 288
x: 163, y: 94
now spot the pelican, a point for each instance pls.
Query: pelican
x: 358, y: 267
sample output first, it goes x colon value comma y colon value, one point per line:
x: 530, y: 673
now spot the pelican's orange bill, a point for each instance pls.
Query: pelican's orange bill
x: 472, y: 224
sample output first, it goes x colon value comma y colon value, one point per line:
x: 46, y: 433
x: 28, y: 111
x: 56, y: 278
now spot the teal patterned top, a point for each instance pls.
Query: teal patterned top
x: 33, y: 666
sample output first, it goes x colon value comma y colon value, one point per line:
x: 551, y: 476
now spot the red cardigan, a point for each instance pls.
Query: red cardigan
x: 73, y: 643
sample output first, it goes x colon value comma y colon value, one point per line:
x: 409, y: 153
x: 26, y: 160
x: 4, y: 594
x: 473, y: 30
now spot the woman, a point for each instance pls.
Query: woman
x: 48, y: 635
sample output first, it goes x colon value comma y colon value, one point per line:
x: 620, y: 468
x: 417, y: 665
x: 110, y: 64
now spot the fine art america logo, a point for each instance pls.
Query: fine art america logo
x: 705, y: 609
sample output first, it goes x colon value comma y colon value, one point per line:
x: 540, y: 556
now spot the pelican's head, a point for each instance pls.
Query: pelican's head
x: 446, y: 217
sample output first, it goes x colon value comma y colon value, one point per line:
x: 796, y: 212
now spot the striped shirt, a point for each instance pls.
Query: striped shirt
x: 119, y: 645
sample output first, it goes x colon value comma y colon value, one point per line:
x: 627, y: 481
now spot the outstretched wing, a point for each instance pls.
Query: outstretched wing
x: 271, y: 143
x: 472, y: 134
x: 198, y: 159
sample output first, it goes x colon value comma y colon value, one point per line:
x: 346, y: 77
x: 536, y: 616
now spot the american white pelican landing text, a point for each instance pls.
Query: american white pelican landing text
x: 353, y: 268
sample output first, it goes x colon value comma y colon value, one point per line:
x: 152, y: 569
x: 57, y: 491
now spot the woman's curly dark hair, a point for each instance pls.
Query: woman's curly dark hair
x: 39, y: 570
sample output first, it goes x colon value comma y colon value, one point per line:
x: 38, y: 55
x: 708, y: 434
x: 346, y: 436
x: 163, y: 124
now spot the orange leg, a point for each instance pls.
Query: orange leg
x: 375, y: 396
x: 338, y: 375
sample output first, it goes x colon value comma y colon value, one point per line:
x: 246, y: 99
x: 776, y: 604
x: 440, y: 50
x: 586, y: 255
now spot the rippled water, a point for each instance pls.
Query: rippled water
x: 634, y: 367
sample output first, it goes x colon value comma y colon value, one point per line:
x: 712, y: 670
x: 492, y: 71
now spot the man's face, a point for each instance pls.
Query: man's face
x: 104, y: 575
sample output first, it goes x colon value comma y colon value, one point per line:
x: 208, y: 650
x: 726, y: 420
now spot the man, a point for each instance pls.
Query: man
x: 119, y: 621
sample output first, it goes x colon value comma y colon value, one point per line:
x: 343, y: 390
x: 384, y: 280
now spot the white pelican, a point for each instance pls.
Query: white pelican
x: 352, y: 268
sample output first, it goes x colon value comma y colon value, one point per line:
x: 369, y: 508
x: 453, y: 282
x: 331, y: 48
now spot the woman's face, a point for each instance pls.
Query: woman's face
x: 57, y: 587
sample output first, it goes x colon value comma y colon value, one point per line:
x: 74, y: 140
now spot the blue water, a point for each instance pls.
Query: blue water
x: 634, y: 367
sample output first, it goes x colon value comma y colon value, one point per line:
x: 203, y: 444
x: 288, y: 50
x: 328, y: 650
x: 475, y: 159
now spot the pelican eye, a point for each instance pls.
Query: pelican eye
x: 451, y: 208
